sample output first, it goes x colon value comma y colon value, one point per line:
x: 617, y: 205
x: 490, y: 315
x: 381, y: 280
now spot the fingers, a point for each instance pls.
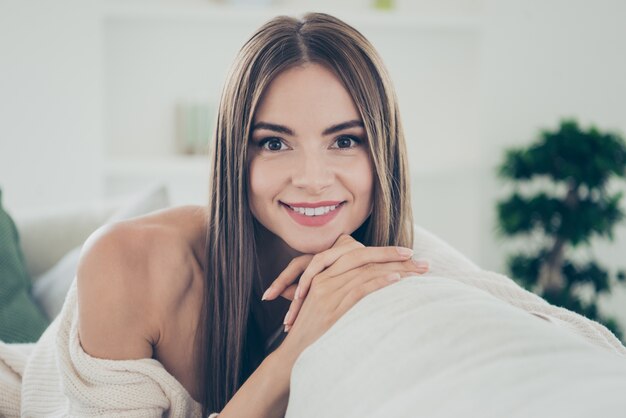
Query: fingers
x: 420, y: 266
x: 368, y: 282
x: 289, y: 292
x: 358, y: 257
x: 320, y: 262
x: 298, y: 266
x: 357, y: 293
x: 289, y: 275
x: 345, y: 255
x: 360, y: 275
x: 343, y: 244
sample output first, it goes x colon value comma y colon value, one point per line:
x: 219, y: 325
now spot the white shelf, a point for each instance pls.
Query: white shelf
x: 175, y: 165
x: 196, y: 10
x: 186, y: 178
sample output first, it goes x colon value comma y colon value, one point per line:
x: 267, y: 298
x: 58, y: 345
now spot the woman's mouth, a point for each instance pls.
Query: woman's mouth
x: 313, y: 216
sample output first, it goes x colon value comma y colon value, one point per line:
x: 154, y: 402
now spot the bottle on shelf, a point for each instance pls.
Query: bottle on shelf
x: 194, y: 126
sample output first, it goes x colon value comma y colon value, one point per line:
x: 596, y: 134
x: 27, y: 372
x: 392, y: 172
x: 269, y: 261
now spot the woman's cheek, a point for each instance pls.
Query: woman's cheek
x: 267, y: 178
x: 359, y: 176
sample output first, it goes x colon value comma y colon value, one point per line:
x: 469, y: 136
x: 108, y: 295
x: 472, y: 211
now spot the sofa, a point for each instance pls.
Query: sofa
x: 51, y: 241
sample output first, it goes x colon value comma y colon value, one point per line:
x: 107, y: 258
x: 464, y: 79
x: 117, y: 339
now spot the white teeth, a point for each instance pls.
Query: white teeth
x: 323, y: 210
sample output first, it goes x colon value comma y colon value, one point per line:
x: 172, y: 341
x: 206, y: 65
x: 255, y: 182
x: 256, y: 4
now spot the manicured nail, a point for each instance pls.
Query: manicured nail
x: 423, y: 264
x: 404, y: 252
x: 393, y: 277
x: 297, y: 292
x: 287, y: 328
x: 266, y: 294
x: 287, y: 317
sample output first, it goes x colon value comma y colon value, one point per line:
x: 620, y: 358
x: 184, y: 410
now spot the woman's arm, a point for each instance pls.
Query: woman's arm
x: 116, y: 317
x: 117, y: 321
x: 266, y: 392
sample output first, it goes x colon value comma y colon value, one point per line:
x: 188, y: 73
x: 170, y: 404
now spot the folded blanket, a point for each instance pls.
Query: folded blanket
x: 467, y: 343
x: 56, y: 377
x: 459, y: 341
x: 449, y: 262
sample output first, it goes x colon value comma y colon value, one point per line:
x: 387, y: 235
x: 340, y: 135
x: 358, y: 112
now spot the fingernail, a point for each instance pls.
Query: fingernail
x: 287, y: 328
x: 423, y: 264
x: 287, y: 317
x: 404, y: 252
x: 393, y: 277
x: 266, y: 294
x: 297, y: 292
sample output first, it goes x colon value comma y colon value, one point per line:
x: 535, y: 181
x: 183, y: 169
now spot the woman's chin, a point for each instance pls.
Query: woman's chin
x: 308, y: 247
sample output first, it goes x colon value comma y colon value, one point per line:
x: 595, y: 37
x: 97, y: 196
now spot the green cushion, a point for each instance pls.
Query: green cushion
x: 21, y: 320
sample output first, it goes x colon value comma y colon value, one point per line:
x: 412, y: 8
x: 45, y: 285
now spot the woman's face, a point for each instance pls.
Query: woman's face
x: 308, y: 150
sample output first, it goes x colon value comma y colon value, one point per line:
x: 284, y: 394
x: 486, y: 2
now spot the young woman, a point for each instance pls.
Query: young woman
x: 309, y: 188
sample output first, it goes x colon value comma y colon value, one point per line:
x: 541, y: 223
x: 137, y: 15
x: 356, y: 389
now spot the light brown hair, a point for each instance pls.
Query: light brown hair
x: 228, y: 344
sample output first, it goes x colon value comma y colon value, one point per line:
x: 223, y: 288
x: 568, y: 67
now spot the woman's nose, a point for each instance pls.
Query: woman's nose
x: 312, y: 172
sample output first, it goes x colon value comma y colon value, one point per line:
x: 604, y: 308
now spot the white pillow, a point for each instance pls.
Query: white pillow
x: 50, y: 288
x: 150, y: 200
x: 437, y: 346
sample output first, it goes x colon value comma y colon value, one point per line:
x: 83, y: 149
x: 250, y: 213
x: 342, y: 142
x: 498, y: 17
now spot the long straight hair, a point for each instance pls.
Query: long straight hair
x: 228, y: 344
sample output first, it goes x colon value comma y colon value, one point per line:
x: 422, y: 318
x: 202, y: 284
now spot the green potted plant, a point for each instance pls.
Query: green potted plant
x: 577, y: 163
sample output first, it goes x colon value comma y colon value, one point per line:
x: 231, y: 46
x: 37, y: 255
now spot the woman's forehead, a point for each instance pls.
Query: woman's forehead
x: 304, y: 93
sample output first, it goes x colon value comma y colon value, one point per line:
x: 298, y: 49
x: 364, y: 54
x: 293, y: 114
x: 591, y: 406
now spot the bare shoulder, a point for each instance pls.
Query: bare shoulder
x: 131, y: 277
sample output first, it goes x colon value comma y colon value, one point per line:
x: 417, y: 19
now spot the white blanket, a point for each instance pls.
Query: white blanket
x: 459, y: 342
x: 459, y: 345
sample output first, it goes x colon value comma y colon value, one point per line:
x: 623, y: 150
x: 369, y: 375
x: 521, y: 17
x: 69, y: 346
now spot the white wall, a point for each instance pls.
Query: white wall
x: 50, y: 103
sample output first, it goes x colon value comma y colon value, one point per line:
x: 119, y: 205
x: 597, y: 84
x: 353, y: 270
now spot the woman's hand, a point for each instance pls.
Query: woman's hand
x: 283, y: 285
x: 329, y: 294
x: 345, y: 255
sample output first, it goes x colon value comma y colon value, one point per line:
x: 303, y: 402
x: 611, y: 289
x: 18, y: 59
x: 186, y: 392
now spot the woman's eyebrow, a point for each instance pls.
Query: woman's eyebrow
x: 341, y: 126
x: 272, y: 127
x: 330, y: 130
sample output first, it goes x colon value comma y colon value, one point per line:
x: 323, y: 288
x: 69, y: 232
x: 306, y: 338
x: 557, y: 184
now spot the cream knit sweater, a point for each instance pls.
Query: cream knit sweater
x: 55, y: 377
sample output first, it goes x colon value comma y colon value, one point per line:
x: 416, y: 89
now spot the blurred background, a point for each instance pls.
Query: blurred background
x: 101, y: 98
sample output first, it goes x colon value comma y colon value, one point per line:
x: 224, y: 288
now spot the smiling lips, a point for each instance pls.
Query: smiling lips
x: 313, y: 214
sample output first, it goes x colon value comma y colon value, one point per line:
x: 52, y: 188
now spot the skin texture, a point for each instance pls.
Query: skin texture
x: 307, y: 166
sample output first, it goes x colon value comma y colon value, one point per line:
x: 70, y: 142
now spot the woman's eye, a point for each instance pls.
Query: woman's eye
x: 276, y: 144
x: 273, y: 144
x: 343, y: 142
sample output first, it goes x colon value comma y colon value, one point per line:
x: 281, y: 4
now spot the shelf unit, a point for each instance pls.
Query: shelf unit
x: 174, y: 164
